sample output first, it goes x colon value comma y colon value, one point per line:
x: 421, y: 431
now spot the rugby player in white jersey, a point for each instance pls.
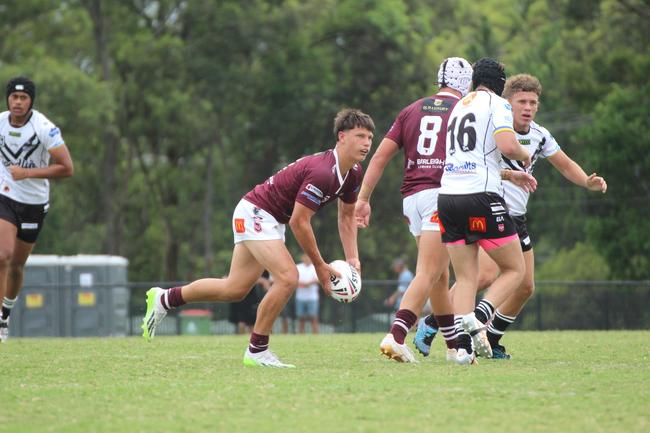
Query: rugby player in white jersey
x: 420, y: 130
x: 523, y: 92
x: 291, y: 196
x: 32, y: 151
x: 471, y: 209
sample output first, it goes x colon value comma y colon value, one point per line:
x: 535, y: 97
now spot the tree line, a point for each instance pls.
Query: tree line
x: 174, y: 109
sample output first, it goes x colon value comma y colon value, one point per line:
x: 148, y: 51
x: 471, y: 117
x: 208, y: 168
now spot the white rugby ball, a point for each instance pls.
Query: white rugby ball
x: 347, y: 288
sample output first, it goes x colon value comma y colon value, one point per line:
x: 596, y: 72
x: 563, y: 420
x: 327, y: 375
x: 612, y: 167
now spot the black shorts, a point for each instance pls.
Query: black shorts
x: 524, y: 238
x: 473, y: 217
x: 28, y: 218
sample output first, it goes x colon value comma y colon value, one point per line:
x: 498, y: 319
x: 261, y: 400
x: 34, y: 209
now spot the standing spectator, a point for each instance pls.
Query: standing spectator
x: 307, y: 295
x: 32, y: 151
x: 404, y: 278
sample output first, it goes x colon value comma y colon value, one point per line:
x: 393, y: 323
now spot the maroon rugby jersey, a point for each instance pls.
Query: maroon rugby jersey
x: 312, y: 181
x: 421, y: 130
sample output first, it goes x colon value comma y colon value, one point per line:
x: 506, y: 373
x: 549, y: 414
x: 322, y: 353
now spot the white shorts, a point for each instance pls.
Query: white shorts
x: 421, y: 211
x: 250, y: 223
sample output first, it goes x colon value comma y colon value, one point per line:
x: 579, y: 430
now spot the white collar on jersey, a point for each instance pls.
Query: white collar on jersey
x: 338, y: 171
x: 447, y: 94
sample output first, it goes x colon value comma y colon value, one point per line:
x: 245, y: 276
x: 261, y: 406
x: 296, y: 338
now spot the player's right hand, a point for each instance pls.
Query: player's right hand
x: 526, y: 162
x: 362, y: 211
x: 323, y: 272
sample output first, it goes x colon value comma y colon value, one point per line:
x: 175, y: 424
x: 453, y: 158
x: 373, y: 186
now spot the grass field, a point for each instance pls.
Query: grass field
x: 556, y: 382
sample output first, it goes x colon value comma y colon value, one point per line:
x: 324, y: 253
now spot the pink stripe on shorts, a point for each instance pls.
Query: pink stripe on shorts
x: 490, y: 244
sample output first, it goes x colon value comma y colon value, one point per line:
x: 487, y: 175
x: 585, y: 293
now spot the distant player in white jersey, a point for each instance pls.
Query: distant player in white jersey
x: 523, y: 92
x: 32, y: 151
x: 471, y: 209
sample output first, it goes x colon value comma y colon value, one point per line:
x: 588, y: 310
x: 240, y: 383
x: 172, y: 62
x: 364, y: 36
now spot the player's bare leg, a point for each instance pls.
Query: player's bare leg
x: 8, y: 239
x: 464, y: 259
x: 432, y: 260
x: 273, y: 256
x: 432, y: 273
x: 507, y: 312
x: 244, y: 272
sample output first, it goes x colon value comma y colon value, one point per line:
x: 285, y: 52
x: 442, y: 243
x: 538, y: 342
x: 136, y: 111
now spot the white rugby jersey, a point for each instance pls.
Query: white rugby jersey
x: 473, y: 161
x: 539, y: 143
x: 27, y: 146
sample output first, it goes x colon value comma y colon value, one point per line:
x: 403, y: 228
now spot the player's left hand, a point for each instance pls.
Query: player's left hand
x: 362, y: 211
x: 523, y: 180
x: 596, y: 183
x: 356, y: 264
x: 17, y: 172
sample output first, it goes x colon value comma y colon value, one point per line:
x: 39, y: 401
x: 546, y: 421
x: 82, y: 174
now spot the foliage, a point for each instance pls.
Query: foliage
x: 174, y: 109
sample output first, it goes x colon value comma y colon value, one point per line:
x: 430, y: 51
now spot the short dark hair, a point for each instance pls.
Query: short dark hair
x: 489, y: 73
x: 350, y: 118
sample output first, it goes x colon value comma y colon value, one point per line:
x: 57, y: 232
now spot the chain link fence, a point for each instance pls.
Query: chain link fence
x: 598, y: 305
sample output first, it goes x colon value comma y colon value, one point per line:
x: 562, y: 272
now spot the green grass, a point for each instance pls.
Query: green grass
x: 556, y: 382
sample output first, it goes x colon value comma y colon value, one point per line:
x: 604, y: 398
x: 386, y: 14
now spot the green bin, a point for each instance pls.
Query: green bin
x: 196, y: 322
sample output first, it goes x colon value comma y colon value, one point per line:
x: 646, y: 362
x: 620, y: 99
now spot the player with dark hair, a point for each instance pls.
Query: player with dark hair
x: 32, y: 151
x: 291, y: 196
x: 471, y: 209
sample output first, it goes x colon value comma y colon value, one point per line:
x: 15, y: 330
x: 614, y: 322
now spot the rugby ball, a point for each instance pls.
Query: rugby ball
x: 347, y: 288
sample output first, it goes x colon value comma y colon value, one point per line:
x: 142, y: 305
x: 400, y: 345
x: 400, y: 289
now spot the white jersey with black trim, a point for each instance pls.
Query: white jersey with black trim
x: 539, y: 143
x: 28, y: 147
x: 473, y: 161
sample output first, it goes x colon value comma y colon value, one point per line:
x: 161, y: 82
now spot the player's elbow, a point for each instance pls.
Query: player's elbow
x: 68, y: 170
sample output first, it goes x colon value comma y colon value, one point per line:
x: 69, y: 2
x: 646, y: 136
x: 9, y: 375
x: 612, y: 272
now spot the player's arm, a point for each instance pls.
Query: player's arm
x: 384, y: 153
x: 520, y: 178
x: 300, y: 224
x: 507, y: 143
x: 348, y: 233
x: 573, y: 172
x: 60, y: 166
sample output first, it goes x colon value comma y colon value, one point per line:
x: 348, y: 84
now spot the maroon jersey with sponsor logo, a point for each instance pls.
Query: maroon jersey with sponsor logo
x: 421, y: 130
x: 312, y: 181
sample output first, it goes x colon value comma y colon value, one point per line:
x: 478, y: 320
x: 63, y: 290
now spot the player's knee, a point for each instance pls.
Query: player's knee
x: 527, y: 288
x: 17, y: 269
x: 287, y: 278
x: 485, y: 280
x: 5, y: 257
x: 238, y: 293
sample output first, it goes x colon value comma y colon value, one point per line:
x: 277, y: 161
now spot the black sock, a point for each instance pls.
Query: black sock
x: 498, y: 327
x: 431, y: 321
x: 484, y: 311
x: 7, y: 305
x: 464, y: 342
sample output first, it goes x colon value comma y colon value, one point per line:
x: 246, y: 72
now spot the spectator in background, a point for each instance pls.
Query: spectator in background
x: 404, y: 278
x: 242, y: 314
x: 307, y: 295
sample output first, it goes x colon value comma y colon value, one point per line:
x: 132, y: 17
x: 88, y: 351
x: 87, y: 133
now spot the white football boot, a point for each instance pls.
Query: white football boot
x: 155, y: 313
x: 265, y: 358
x: 393, y: 350
x: 464, y: 358
x: 476, y: 331
x: 451, y: 355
